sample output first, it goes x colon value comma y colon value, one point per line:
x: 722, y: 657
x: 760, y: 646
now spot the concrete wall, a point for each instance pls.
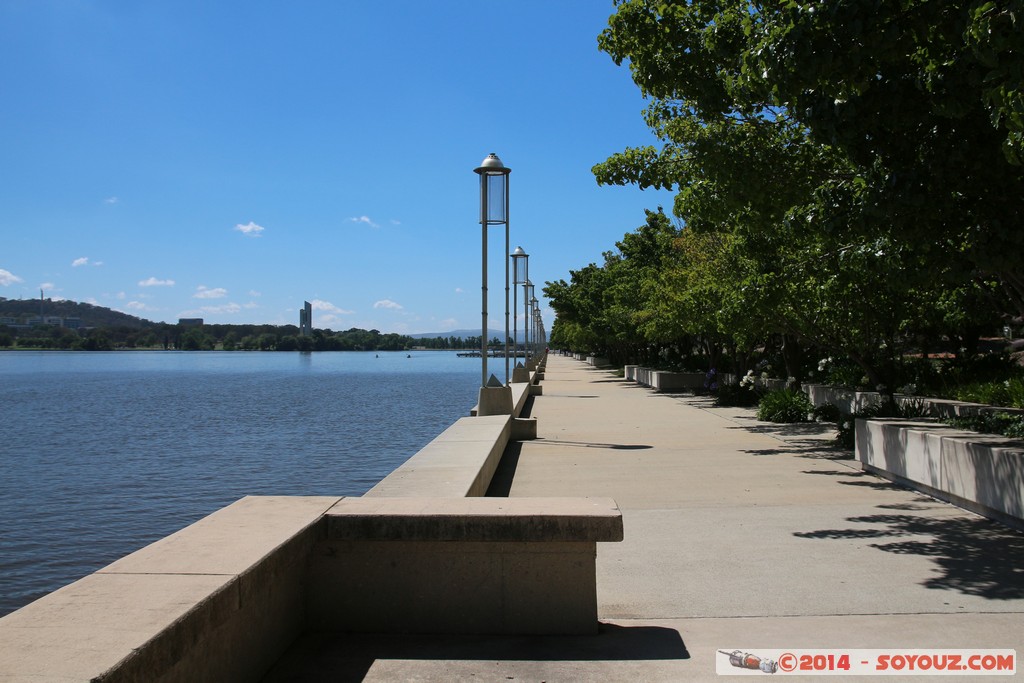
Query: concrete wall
x: 461, y: 565
x: 980, y: 472
x: 849, y: 402
x: 674, y: 382
x: 219, y: 600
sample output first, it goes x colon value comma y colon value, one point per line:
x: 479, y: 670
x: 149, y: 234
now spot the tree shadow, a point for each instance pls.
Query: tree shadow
x: 347, y: 657
x: 972, y: 555
x: 811, y: 449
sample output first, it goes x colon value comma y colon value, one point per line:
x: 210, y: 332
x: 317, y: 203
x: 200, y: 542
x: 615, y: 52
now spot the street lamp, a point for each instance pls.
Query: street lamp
x: 493, y: 211
x: 527, y: 319
x: 520, y: 272
x: 536, y: 325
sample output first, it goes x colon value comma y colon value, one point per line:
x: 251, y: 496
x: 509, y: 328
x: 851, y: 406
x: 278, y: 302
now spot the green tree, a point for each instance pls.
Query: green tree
x: 857, y: 121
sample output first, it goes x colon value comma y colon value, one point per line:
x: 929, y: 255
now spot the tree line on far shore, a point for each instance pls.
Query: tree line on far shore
x: 222, y: 337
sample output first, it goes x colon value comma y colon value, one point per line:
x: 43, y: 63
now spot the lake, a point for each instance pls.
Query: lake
x: 103, y: 453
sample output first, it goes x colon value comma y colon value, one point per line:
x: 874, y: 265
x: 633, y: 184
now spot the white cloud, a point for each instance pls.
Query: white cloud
x: 365, y: 220
x: 8, y: 278
x: 137, y: 306
x: 320, y: 305
x: 253, y: 292
x: 48, y: 285
x: 458, y: 290
x: 80, y: 262
x: 110, y: 200
x: 449, y: 323
x: 153, y: 282
x: 250, y: 229
x: 203, y: 292
x: 388, y: 303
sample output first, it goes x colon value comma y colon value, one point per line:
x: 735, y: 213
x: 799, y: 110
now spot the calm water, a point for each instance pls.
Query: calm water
x: 103, y: 453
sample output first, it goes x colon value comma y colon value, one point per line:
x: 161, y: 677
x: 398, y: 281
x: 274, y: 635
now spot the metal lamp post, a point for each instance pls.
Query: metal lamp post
x: 493, y: 211
x: 527, y: 319
x: 495, y: 398
x: 536, y: 327
x: 520, y: 265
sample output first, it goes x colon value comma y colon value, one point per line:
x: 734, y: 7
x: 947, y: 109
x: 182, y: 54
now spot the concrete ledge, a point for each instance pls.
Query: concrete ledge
x: 221, y: 599
x: 460, y: 462
x: 475, y: 519
x: 983, y: 473
x: 524, y: 429
x: 469, y: 566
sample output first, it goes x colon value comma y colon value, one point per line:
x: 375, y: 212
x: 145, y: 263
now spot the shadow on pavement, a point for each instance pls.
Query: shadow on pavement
x: 972, y: 555
x: 349, y: 657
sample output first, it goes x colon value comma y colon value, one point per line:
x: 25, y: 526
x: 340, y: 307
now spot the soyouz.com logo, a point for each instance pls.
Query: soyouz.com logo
x: 757, y: 662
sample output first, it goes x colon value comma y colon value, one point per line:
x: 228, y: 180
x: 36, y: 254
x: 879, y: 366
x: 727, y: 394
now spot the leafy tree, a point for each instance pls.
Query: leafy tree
x: 857, y: 121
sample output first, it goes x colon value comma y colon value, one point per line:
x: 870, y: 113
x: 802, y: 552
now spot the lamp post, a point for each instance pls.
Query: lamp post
x: 527, y: 319
x: 536, y: 326
x: 495, y: 399
x: 493, y: 211
x: 520, y: 267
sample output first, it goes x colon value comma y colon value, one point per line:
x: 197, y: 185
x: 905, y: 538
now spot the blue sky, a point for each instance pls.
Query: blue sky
x: 228, y: 160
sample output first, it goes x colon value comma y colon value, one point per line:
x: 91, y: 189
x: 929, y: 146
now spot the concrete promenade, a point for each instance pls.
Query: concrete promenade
x: 738, y: 535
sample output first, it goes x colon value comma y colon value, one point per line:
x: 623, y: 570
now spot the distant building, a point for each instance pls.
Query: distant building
x: 190, y: 322
x: 54, y: 320
x: 306, y: 319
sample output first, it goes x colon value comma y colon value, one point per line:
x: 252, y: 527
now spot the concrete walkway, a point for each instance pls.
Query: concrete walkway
x: 738, y: 535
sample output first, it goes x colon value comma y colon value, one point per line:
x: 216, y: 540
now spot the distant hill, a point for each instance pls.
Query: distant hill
x: 91, y: 316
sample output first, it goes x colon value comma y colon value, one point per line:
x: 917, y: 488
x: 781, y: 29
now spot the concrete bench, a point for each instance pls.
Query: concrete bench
x: 980, y: 472
x: 460, y: 565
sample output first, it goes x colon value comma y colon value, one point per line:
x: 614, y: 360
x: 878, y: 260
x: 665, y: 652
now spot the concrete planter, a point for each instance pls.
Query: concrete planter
x: 982, y: 473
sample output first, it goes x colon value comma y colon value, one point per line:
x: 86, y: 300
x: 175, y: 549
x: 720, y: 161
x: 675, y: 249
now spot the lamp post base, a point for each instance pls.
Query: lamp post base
x: 494, y: 401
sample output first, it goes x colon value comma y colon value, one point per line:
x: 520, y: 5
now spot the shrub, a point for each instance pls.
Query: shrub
x: 784, y: 405
x: 1003, y: 424
x: 827, y: 412
x: 735, y: 395
x: 1009, y: 393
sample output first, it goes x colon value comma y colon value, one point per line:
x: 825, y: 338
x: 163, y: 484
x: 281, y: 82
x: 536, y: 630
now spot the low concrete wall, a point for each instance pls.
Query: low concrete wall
x: 849, y: 402
x: 460, y: 565
x: 220, y: 600
x: 459, y: 462
x: 663, y: 380
x: 979, y: 472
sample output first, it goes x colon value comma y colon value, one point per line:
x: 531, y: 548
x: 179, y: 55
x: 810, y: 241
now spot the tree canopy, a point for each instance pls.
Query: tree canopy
x: 848, y: 178
x: 858, y: 121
